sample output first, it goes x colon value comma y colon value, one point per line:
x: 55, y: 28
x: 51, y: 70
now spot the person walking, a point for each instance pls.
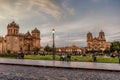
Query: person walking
x: 19, y: 55
x: 94, y: 57
x: 68, y: 57
x: 63, y: 57
x: 22, y: 55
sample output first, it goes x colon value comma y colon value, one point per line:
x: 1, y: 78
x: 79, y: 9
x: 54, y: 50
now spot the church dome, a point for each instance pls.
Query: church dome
x: 101, y: 33
x: 13, y: 24
x: 35, y: 31
x: 89, y: 33
x: 28, y: 34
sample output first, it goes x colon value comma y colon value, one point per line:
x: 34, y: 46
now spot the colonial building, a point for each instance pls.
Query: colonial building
x: 97, y: 43
x: 70, y: 49
x: 16, y: 41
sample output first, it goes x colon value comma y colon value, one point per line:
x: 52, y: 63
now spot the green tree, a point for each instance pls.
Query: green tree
x: 107, y: 51
x: 36, y: 49
x: 48, y: 48
x: 115, y: 46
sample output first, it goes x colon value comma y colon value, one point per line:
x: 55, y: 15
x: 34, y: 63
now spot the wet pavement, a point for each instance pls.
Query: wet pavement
x: 15, y: 72
x: 62, y: 64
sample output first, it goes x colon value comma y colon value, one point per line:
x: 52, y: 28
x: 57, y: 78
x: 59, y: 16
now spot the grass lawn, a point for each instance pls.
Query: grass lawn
x: 108, y: 60
x: 39, y: 57
x: 73, y: 58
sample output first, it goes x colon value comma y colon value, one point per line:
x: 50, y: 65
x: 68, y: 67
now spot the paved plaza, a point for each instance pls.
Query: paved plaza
x: 15, y: 72
x: 62, y: 64
x: 23, y: 69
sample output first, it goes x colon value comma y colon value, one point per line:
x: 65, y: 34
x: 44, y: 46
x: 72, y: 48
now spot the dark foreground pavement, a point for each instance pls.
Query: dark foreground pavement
x: 15, y: 72
x: 62, y: 64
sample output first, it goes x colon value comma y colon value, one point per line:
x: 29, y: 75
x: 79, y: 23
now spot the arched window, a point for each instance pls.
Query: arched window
x: 10, y: 31
x: 14, y: 31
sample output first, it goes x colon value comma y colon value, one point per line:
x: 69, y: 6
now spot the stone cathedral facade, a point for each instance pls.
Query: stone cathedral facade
x: 97, y: 43
x: 16, y: 41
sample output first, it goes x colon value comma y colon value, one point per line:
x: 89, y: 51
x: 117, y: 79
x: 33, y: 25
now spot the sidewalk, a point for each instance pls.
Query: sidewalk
x: 62, y: 64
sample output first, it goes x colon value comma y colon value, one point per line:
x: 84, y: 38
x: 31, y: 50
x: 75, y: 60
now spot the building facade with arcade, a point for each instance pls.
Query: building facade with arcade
x: 16, y: 41
x: 97, y: 43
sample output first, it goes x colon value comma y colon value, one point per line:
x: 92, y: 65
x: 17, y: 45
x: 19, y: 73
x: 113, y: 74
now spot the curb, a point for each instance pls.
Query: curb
x: 28, y: 65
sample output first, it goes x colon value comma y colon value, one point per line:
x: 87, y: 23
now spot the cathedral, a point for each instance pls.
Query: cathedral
x: 16, y: 41
x: 97, y: 43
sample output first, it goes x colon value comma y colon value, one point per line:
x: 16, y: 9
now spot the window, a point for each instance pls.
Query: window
x: 10, y: 31
x: 14, y: 31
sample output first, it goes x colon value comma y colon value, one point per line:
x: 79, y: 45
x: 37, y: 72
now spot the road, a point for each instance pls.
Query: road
x: 13, y: 72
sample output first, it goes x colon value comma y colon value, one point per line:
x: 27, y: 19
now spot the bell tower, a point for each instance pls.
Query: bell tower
x: 89, y: 36
x: 102, y: 36
x: 36, y: 33
x: 89, y: 40
x: 12, y: 29
x: 12, y: 37
x: 36, y: 37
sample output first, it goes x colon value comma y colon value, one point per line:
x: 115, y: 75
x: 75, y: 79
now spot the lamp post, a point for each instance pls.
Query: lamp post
x: 53, y: 31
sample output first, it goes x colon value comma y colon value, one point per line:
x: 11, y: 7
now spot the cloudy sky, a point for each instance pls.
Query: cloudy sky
x: 72, y: 19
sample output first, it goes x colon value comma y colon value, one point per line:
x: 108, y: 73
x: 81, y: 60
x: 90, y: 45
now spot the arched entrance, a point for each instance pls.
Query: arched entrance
x: 28, y: 48
x: 21, y: 49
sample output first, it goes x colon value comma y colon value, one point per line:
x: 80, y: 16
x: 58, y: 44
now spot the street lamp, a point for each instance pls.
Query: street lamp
x: 53, y: 31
